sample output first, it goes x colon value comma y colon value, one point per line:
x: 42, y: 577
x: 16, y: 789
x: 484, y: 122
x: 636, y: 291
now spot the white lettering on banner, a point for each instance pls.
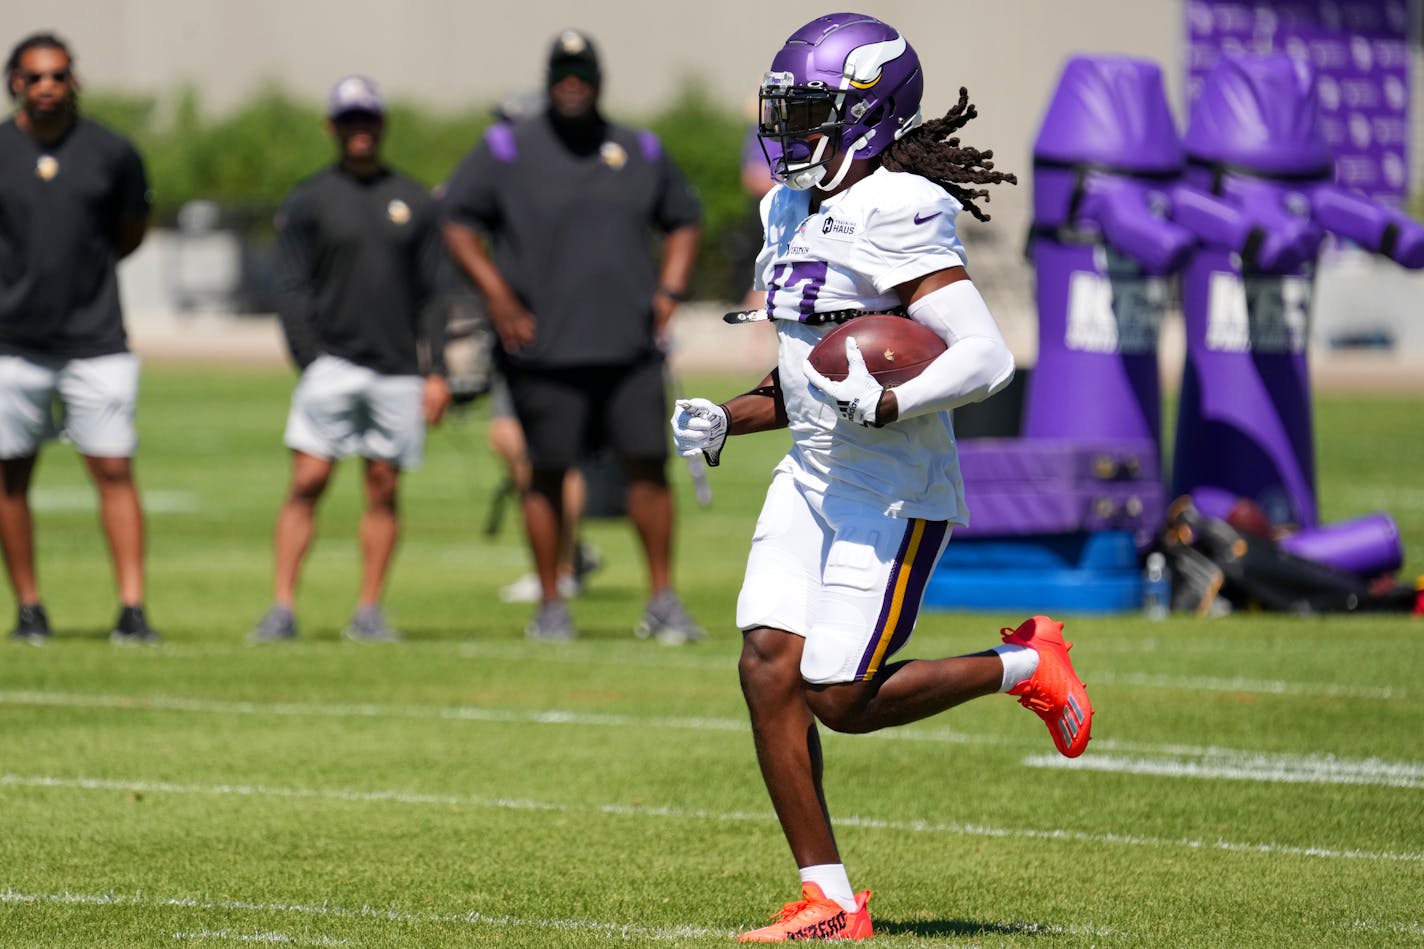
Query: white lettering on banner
x: 1091, y: 326
x: 1227, y: 328
x: 1257, y: 314
x: 1115, y: 311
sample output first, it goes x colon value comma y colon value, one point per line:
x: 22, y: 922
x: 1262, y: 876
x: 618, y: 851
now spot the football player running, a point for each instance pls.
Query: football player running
x: 860, y: 509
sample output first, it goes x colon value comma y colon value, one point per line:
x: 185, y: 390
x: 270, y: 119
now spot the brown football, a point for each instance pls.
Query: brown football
x: 895, y: 348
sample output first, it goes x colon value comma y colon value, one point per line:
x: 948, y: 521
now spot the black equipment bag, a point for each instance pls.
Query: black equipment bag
x: 1209, y: 558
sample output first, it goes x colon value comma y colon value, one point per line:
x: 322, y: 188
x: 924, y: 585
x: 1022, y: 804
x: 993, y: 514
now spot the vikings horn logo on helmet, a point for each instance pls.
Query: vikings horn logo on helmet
x: 843, y: 86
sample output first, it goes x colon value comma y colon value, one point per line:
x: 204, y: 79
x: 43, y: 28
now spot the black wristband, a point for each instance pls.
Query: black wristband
x: 680, y: 296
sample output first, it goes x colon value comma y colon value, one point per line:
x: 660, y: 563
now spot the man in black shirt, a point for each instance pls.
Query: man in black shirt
x: 568, y: 201
x: 359, y: 252
x: 74, y: 201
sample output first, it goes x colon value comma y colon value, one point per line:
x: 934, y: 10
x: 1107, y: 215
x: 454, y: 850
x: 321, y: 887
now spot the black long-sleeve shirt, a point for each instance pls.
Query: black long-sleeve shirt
x: 358, y: 262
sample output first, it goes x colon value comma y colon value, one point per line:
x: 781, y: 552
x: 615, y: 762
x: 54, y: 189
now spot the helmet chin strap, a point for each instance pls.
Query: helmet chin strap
x: 840, y: 174
x: 808, y: 175
x: 814, y: 176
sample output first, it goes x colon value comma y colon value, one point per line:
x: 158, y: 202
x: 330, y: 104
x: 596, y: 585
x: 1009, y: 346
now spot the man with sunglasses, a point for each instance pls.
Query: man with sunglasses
x: 74, y: 201
x: 568, y: 203
x: 359, y: 252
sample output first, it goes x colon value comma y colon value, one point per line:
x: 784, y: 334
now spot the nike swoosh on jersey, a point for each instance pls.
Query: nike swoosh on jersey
x: 927, y: 217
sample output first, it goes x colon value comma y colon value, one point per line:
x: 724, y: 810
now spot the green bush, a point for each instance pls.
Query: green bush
x: 247, y: 160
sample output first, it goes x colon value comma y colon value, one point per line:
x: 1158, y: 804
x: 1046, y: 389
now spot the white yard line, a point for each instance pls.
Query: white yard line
x: 1415, y: 929
x: 1275, y: 769
x: 160, y: 703
x: 1332, y: 690
x: 693, y: 814
x: 274, y: 938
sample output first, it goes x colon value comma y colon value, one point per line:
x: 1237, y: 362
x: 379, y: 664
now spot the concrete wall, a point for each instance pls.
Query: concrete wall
x: 452, y: 55
x: 455, y: 54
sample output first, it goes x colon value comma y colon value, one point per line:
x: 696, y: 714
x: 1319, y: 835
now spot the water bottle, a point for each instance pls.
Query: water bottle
x: 1156, y: 587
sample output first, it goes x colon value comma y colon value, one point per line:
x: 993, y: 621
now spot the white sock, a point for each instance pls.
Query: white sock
x: 832, y: 879
x: 1020, y: 663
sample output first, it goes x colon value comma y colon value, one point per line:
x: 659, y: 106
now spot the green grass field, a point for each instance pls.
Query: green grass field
x: 1254, y: 780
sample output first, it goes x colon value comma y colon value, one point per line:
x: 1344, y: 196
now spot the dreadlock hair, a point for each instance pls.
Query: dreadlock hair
x: 929, y: 151
x: 33, y: 41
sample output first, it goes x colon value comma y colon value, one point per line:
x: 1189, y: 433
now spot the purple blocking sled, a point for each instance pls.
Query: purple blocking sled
x: 1245, y: 424
x: 1016, y: 487
x: 1104, y: 160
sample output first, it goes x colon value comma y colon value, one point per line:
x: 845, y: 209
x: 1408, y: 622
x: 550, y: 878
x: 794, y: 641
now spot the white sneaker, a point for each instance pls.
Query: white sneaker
x: 527, y: 589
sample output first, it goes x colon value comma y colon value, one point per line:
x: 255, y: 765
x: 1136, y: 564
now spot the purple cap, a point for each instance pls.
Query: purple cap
x: 355, y: 94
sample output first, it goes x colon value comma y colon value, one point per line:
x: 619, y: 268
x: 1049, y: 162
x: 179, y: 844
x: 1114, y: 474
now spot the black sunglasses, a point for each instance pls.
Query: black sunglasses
x: 560, y: 71
x: 357, y: 116
x: 33, y: 78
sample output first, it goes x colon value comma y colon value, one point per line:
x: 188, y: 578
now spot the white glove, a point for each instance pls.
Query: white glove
x: 857, y: 396
x: 699, y: 426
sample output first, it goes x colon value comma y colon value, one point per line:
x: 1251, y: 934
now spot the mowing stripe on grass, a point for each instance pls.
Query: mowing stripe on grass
x: 694, y: 814
x: 1385, y: 693
x: 84, y: 498
x: 642, y: 658
x: 622, y: 931
x: 162, y: 703
x: 1276, y: 769
x: 612, y: 930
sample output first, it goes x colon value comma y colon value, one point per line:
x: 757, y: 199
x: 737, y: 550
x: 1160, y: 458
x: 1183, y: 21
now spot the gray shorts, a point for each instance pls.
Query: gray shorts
x: 341, y: 409
x: 88, y: 402
x: 501, y: 404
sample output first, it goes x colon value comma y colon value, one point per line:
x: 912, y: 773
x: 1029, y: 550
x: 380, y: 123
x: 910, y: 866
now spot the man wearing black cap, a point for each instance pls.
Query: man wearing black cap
x: 358, y: 247
x: 568, y: 202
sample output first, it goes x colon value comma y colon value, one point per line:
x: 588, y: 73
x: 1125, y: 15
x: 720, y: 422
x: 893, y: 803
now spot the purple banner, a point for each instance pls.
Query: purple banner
x: 1359, y: 51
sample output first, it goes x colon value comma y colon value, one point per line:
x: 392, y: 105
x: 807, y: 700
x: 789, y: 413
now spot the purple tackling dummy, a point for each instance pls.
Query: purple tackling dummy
x: 1245, y: 426
x: 1104, y: 161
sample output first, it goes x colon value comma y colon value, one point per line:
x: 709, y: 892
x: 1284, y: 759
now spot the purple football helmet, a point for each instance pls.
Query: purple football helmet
x: 843, y: 83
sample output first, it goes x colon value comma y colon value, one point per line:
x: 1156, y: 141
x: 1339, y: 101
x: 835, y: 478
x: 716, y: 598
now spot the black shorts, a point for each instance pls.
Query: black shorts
x: 569, y: 414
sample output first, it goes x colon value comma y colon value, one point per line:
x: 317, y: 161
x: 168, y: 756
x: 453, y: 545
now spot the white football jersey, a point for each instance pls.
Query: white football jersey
x: 860, y: 245
x: 851, y: 253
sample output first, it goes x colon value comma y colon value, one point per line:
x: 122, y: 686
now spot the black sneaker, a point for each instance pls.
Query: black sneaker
x: 31, y: 626
x: 132, y: 629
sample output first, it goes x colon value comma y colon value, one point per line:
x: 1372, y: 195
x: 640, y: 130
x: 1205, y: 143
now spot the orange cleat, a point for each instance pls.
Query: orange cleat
x: 815, y: 917
x: 1054, y: 692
